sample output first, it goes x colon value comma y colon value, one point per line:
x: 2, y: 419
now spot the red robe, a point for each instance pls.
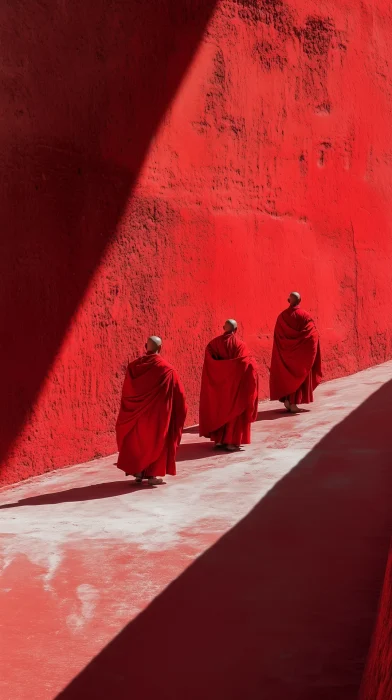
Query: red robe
x: 229, y: 391
x: 296, y: 360
x: 151, y: 418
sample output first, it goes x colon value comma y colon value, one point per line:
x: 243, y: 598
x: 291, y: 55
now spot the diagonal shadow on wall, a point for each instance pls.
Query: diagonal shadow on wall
x: 84, y: 86
x: 284, y: 604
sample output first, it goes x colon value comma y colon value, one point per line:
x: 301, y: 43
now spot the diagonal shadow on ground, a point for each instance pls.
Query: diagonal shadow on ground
x: 283, y: 606
x: 92, y: 492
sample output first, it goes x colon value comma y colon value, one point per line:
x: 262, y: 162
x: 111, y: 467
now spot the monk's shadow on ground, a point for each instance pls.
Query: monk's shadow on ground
x: 196, y: 450
x: 272, y: 414
x: 91, y: 492
x: 110, y: 489
x: 282, y: 607
x: 278, y: 413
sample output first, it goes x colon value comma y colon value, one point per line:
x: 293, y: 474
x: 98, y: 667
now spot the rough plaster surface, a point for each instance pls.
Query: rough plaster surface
x: 167, y: 167
x: 270, y: 560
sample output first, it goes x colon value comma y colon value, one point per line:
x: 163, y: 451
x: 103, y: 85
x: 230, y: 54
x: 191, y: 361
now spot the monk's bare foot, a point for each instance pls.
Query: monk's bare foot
x: 138, y: 478
x: 287, y: 405
x: 232, y: 448
x: 294, y: 408
x: 219, y: 446
x: 153, y: 481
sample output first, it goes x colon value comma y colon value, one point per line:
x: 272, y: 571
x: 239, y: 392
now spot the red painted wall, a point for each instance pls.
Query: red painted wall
x: 166, y: 165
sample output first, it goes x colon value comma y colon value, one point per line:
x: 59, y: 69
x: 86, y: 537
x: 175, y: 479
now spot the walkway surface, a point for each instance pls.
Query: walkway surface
x: 251, y: 575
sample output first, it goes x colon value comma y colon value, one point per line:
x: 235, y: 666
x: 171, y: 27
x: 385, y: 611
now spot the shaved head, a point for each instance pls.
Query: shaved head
x: 230, y: 325
x: 154, y: 344
x: 294, y: 298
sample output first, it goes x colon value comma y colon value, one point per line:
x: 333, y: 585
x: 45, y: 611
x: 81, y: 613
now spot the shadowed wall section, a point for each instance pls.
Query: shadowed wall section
x: 377, y: 682
x: 84, y: 87
x: 167, y: 165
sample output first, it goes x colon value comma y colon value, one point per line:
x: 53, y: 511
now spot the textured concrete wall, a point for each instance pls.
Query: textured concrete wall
x: 166, y: 165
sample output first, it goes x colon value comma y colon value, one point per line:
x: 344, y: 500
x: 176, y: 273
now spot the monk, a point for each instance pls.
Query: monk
x: 151, y: 418
x: 229, y: 391
x: 296, y: 361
